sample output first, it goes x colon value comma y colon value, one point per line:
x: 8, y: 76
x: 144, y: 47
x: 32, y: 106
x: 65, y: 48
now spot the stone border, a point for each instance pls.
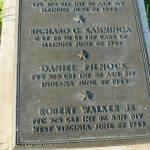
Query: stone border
x: 7, y: 67
x: 8, y: 63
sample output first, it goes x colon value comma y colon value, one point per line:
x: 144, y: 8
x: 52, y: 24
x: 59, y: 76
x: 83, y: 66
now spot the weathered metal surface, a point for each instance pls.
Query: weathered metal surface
x: 83, y: 72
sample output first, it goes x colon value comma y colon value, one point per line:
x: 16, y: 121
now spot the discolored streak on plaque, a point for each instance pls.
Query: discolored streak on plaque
x: 83, y: 72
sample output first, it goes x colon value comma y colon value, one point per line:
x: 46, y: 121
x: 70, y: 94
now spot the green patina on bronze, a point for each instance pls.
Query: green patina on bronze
x: 83, y: 72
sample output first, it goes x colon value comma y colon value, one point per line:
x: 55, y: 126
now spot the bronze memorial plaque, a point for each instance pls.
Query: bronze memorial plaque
x: 83, y: 72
